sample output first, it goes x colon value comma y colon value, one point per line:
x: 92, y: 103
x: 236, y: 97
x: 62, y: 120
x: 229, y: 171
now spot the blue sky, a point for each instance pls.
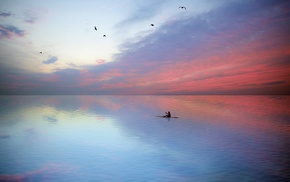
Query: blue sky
x: 212, y: 47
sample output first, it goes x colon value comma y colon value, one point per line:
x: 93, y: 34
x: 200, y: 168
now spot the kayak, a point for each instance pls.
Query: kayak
x: 167, y: 117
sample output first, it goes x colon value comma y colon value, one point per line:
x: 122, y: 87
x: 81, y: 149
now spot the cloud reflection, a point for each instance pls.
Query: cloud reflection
x: 211, y: 135
x: 48, y: 172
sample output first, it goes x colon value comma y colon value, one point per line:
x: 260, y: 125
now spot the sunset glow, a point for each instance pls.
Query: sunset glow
x: 229, y: 47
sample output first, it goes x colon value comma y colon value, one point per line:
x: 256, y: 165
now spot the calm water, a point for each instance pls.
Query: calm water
x: 119, y: 138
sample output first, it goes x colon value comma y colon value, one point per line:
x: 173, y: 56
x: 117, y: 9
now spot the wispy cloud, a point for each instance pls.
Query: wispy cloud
x: 143, y: 11
x: 31, y: 17
x: 205, y: 54
x: 10, y: 31
x: 50, y: 60
x: 51, y: 119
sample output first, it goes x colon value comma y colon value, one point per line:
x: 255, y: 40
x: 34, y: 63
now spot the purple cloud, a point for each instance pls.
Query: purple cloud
x: 199, y: 54
x: 31, y: 20
x: 4, y: 14
x: 9, y: 31
x: 51, y: 60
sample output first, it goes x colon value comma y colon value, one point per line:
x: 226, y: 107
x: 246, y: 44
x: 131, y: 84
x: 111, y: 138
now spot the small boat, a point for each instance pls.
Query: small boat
x: 167, y: 117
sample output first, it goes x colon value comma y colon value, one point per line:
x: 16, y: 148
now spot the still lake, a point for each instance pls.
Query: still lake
x: 119, y: 138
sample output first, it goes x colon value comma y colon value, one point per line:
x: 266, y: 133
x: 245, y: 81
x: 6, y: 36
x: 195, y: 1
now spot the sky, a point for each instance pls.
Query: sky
x: 211, y: 47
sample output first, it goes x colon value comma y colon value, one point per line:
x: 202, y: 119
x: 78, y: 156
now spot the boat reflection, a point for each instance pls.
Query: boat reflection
x: 119, y: 138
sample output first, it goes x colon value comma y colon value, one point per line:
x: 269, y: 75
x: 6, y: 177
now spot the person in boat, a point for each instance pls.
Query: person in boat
x: 168, y: 114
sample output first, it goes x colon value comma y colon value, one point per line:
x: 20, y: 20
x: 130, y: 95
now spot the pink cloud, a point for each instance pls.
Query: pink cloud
x: 50, y: 78
x: 248, y: 63
x: 212, y: 53
x: 88, y: 77
x: 100, y: 61
x: 15, y: 77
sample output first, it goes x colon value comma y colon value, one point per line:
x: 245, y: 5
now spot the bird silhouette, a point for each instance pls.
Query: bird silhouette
x: 96, y: 28
x: 40, y: 52
x: 104, y: 36
x: 182, y: 7
x: 152, y: 25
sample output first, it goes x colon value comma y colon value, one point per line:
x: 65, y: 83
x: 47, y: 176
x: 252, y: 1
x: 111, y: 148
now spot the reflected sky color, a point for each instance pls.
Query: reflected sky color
x: 119, y: 138
x: 212, y: 47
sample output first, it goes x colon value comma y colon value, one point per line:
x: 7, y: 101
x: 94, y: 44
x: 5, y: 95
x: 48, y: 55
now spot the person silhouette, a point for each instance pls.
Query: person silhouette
x: 168, y: 114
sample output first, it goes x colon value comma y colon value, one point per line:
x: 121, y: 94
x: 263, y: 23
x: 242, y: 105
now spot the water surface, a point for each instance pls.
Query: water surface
x: 119, y: 138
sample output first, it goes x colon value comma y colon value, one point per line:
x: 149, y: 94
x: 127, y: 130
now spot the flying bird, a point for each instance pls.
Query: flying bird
x: 104, y: 35
x: 182, y: 7
x: 40, y: 52
x: 152, y: 25
x: 96, y: 28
